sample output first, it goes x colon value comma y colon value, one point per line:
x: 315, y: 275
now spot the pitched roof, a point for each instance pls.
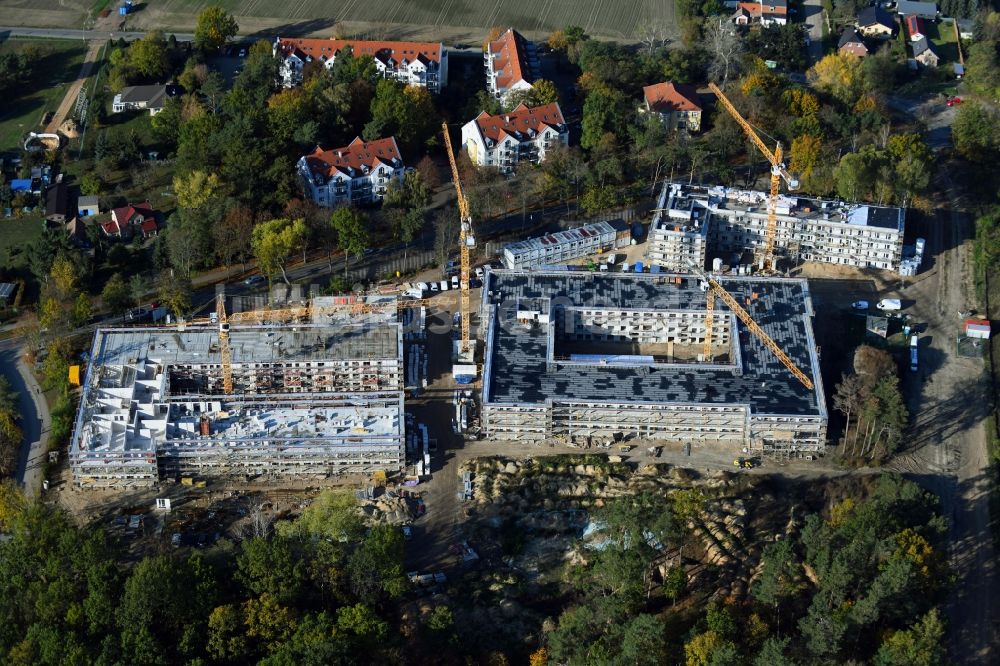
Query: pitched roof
x: 924, y: 9
x: 668, y: 97
x: 520, y: 122
x: 124, y: 214
x: 152, y: 96
x: 921, y: 45
x: 913, y: 26
x: 76, y: 229
x: 350, y: 159
x: 511, y: 62
x: 765, y: 7
x: 87, y: 201
x: 324, y: 49
x: 870, y: 16
x: 849, y: 36
x: 57, y: 199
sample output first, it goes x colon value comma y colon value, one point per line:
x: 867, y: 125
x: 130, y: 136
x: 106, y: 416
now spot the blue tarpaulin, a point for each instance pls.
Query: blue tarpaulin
x: 20, y: 185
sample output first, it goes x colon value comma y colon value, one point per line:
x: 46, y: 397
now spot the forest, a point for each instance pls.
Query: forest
x: 861, y: 580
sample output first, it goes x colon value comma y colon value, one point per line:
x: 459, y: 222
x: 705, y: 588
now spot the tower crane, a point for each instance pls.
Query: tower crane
x: 778, y: 173
x: 466, y: 241
x: 224, y: 350
x: 744, y: 316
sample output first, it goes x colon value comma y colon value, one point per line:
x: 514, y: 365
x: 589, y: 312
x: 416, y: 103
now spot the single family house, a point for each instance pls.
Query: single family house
x: 676, y: 104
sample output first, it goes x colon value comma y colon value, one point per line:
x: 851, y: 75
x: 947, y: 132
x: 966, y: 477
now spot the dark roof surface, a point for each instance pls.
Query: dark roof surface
x: 849, y: 36
x: 873, y: 15
x: 517, y: 371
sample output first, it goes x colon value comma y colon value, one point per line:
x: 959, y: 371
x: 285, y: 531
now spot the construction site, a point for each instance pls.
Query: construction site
x: 257, y: 400
x: 694, y: 223
x: 588, y: 359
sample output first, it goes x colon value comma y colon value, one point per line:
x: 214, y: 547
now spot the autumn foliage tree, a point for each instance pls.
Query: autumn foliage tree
x: 871, y: 400
x: 840, y: 75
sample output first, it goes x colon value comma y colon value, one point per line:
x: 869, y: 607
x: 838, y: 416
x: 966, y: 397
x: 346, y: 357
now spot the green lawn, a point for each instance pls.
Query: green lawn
x: 942, y: 37
x: 15, y: 235
x: 56, y: 65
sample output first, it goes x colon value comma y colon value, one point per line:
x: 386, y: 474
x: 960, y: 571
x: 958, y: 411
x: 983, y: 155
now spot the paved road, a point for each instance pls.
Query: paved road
x: 85, y: 35
x: 812, y: 16
x: 35, y: 420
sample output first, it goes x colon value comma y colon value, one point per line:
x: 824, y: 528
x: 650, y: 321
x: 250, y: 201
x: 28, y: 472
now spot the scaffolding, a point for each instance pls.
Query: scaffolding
x: 535, y: 389
x: 305, y: 400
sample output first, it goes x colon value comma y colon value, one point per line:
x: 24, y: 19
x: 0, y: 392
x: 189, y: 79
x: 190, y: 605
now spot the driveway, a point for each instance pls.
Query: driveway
x: 35, y: 420
x: 812, y: 16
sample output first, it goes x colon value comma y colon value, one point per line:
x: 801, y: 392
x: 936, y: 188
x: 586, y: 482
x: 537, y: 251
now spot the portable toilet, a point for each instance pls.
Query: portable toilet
x: 638, y: 267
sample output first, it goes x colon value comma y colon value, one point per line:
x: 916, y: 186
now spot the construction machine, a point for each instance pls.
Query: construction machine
x: 754, y: 327
x: 778, y: 173
x: 466, y: 241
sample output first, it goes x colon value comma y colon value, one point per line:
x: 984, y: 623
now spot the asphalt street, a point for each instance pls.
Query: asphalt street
x: 34, y: 417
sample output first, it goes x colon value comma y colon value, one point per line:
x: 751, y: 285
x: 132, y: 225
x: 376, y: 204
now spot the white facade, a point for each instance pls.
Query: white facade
x: 862, y: 235
x: 509, y: 62
x: 523, y: 135
x: 411, y: 63
x: 356, y: 174
x: 563, y: 245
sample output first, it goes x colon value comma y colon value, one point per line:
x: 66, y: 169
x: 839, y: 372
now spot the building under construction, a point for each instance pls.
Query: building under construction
x: 307, y: 400
x: 592, y: 358
x: 694, y: 220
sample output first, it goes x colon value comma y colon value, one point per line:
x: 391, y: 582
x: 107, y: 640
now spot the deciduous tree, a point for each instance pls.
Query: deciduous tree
x: 273, y: 243
x: 214, y: 28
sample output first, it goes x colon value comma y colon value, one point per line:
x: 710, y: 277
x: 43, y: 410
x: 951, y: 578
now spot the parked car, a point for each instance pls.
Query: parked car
x: 434, y: 287
x: 253, y: 279
x: 137, y: 314
x: 243, y: 52
x: 889, y: 304
x: 860, y: 305
x: 954, y: 101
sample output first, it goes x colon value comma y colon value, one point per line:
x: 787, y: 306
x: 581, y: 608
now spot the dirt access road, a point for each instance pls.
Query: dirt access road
x: 948, y: 449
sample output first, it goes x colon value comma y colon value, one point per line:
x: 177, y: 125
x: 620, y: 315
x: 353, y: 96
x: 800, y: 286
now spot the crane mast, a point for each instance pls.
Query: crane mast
x: 466, y: 241
x: 224, y: 349
x: 778, y: 173
x: 754, y: 327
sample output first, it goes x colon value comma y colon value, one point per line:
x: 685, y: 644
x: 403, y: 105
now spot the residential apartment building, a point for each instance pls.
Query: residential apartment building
x: 678, y: 235
x: 835, y: 232
x: 523, y: 135
x: 677, y: 105
x: 358, y: 173
x: 561, y: 246
x: 308, y: 401
x: 423, y: 64
x: 510, y: 63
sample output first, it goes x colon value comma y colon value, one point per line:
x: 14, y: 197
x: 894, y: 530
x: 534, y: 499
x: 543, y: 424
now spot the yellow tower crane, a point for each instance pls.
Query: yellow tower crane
x: 224, y: 350
x: 778, y: 173
x: 748, y: 321
x: 466, y: 241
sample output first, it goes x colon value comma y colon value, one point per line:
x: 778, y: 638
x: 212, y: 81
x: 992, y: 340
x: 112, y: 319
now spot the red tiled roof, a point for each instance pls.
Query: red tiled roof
x: 510, y: 63
x: 519, y: 121
x: 668, y: 97
x: 757, y: 9
x: 327, y: 48
x: 913, y: 27
x: 148, y: 225
x: 354, y: 156
x: 111, y: 228
x: 855, y: 48
x: 124, y: 214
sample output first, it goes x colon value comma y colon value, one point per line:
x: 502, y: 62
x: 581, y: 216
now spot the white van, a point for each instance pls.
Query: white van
x: 889, y: 304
